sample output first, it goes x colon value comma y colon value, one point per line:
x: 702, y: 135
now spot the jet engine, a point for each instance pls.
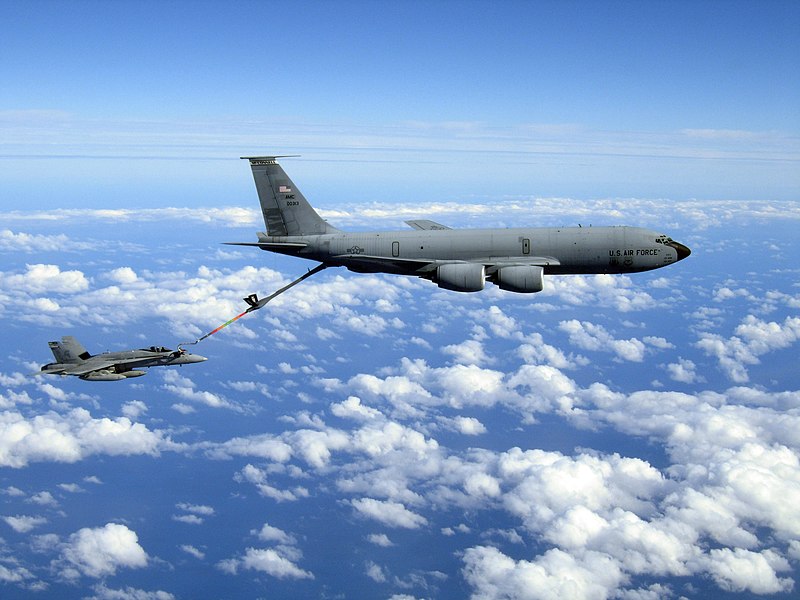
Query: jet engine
x: 461, y: 277
x: 523, y: 279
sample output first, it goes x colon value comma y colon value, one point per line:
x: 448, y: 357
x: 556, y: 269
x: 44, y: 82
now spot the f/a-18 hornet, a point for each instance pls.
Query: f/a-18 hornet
x: 73, y: 359
x: 461, y: 260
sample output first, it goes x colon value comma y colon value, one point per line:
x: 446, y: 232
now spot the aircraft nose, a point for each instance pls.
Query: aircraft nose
x: 195, y: 358
x: 683, y: 251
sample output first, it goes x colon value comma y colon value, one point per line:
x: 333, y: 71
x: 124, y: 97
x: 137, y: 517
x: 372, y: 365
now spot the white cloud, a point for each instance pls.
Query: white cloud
x: 391, y: 514
x: 123, y: 275
x: 268, y: 533
x: 614, y: 291
x: 753, y: 338
x: 739, y: 570
x: 101, y: 592
x: 536, y: 351
x: 259, y: 478
x: 375, y: 572
x: 41, y: 278
x: 380, y: 539
x: 72, y: 437
x: 14, y: 574
x: 197, y: 509
x: 556, y: 574
x: 191, y: 550
x: 44, y: 498
x: 188, y: 519
x: 684, y: 371
x: 464, y: 425
x: 468, y: 352
x: 499, y: 323
x: 352, y: 408
x: 589, y: 336
x: 99, y: 552
x: 185, y: 388
x: 134, y: 409
x: 269, y: 561
x: 24, y: 523
x: 32, y: 242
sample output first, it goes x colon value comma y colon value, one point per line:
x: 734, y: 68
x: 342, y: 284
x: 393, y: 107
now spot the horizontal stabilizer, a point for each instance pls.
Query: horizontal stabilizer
x: 426, y: 225
x: 269, y: 245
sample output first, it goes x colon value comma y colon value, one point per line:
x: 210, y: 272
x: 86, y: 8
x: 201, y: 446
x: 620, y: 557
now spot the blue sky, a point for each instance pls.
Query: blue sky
x: 689, y: 100
x: 374, y: 436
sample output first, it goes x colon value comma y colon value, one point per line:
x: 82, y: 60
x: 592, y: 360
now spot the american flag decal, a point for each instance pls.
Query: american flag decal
x: 284, y: 189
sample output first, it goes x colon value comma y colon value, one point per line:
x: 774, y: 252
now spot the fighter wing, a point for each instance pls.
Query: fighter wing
x: 88, y: 366
x: 425, y: 225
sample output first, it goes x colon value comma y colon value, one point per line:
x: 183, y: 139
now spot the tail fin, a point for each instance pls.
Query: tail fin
x: 286, y: 211
x: 69, y: 350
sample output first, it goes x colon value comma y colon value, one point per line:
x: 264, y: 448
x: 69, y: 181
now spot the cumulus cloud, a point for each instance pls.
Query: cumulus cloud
x: 556, y: 574
x: 266, y: 560
x: 391, y: 514
x: 193, y: 551
x: 99, y: 552
x: 101, y: 592
x: 753, y: 338
x: 32, y: 242
x: 280, y: 561
x: 134, y: 409
x: 71, y: 437
x: 260, y: 478
x: 41, y: 278
x: 24, y: 523
x: 380, y: 539
x: 684, y: 371
x: 464, y: 425
x: 589, y: 336
x: 268, y: 533
x: 739, y: 570
x: 615, y: 291
x: 185, y: 388
x: 468, y: 352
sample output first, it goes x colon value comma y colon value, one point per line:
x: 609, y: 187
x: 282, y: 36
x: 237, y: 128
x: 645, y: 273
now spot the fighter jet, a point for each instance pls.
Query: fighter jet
x: 73, y: 359
x: 460, y: 260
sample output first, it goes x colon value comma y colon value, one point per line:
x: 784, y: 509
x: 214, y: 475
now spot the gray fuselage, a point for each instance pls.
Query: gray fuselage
x: 559, y: 250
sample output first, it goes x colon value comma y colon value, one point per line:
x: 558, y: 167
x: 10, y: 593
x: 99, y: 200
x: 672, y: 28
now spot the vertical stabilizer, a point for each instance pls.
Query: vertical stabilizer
x: 69, y: 350
x: 286, y: 211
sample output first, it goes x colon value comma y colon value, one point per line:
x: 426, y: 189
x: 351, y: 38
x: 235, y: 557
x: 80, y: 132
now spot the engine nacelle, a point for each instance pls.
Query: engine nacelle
x: 133, y: 373
x: 523, y: 279
x: 461, y: 277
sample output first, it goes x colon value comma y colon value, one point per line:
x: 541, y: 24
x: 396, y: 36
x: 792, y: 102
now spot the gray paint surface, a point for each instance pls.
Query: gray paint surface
x: 295, y: 228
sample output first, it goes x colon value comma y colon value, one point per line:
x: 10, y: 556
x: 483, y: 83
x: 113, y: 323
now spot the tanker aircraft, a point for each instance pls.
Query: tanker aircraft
x: 460, y: 260
x: 73, y: 359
